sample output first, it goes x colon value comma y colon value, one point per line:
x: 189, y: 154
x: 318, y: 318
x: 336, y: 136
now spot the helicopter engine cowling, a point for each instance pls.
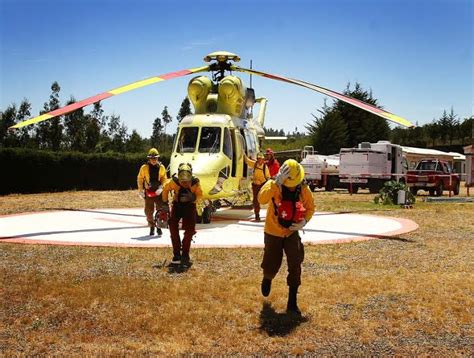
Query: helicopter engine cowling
x: 199, y: 90
x: 232, y: 96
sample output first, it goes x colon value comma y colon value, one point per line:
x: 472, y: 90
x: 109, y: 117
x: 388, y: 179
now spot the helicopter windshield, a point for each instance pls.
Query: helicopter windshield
x: 187, y: 140
x: 210, y: 141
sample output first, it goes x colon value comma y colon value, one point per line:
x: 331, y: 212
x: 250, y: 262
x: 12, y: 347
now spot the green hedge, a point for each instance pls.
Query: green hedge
x: 35, y: 171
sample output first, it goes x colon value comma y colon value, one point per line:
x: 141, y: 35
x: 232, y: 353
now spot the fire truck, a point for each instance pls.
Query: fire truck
x: 370, y: 165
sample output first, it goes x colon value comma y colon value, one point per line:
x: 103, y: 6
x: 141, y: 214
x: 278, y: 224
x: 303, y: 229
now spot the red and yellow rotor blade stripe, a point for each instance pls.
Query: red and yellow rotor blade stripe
x: 105, y: 95
x: 355, y: 102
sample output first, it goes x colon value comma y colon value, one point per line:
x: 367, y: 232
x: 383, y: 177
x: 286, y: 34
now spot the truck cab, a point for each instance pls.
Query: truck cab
x: 433, y: 176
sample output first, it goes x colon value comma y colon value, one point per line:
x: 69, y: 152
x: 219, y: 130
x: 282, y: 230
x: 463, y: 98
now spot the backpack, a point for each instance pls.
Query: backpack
x: 290, y: 210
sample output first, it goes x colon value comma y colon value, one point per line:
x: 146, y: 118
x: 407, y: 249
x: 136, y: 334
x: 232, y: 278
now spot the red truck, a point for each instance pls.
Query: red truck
x: 433, y: 176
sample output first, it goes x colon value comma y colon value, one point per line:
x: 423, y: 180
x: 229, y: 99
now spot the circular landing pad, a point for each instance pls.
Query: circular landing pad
x: 229, y: 228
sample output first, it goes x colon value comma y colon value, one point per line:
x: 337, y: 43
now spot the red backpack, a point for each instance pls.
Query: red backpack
x: 290, y: 209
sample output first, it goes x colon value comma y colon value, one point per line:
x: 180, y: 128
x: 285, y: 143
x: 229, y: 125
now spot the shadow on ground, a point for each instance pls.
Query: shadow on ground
x: 278, y: 324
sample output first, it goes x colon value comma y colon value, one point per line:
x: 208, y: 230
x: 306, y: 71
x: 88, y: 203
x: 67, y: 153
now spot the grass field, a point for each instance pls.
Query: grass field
x: 403, y: 296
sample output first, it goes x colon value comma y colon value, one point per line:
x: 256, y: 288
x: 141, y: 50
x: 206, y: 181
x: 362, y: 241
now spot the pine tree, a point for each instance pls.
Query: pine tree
x: 157, y: 133
x: 329, y: 132
x: 49, y: 133
x: 184, y: 110
x: 362, y: 126
x: 75, y: 124
x: 94, y: 127
x: 166, y: 118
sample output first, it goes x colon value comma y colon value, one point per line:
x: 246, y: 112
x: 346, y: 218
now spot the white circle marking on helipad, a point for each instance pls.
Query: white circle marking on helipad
x: 229, y: 228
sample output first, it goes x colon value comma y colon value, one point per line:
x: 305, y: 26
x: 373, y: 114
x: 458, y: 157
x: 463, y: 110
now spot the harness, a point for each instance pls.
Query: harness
x: 262, y: 169
x: 290, y: 209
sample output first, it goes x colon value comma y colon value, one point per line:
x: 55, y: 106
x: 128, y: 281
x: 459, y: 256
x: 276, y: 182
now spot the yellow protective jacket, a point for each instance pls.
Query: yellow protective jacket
x: 271, y: 190
x: 143, y: 178
x: 173, y: 185
x: 261, y: 173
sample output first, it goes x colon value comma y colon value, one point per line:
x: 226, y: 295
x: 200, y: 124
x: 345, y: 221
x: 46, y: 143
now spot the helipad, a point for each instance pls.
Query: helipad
x: 230, y: 228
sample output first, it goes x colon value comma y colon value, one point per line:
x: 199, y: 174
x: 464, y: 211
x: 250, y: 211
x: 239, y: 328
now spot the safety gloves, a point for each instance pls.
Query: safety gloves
x: 159, y: 190
x: 282, y: 175
x: 298, y: 226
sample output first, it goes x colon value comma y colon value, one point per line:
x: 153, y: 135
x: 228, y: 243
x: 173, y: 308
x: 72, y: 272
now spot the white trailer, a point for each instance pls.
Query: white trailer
x: 319, y: 169
x: 370, y: 165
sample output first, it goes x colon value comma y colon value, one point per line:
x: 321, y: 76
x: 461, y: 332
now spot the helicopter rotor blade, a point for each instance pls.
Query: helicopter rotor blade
x: 119, y: 90
x: 355, y: 102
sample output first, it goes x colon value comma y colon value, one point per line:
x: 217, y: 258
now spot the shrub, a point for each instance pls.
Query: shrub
x: 389, y: 193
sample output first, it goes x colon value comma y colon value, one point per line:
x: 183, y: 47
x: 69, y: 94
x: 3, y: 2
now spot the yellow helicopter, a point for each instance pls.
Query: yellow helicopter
x: 222, y: 129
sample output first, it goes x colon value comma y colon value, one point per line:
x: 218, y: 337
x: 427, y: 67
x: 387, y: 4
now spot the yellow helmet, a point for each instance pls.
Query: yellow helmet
x: 296, y: 175
x: 260, y: 155
x: 185, y: 172
x: 153, y: 153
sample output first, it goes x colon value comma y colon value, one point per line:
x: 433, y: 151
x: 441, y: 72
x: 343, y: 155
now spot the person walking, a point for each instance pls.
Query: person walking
x: 290, y: 207
x: 150, y: 180
x: 261, y: 174
x: 272, y: 162
x: 186, y: 191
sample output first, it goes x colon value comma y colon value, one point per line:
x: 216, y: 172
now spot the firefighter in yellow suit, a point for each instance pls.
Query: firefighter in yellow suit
x: 150, y: 181
x: 261, y: 173
x: 290, y: 207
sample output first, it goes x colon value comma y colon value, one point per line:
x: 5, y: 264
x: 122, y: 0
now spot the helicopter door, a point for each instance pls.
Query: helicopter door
x: 243, y: 142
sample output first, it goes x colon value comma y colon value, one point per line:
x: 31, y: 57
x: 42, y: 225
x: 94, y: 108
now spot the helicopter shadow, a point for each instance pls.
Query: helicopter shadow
x: 278, y: 324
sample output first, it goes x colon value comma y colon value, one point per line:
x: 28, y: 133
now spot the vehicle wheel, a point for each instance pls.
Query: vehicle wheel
x: 439, y: 189
x: 373, y: 189
x: 432, y: 192
x: 355, y: 189
x: 206, y: 215
x: 456, y: 189
x: 413, y: 190
x: 329, y: 185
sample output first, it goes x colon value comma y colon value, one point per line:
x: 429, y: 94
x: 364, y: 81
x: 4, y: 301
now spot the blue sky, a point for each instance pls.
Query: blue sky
x: 415, y: 55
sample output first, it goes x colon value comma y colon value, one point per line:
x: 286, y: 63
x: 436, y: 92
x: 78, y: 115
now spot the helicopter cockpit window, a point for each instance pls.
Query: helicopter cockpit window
x: 187, y: 140
x: 210, y: 141
x: 227, y: 143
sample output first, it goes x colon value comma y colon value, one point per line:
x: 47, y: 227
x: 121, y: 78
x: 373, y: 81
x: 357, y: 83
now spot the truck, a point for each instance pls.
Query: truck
x: 434, y: 176
x: 319, y: 169
x: 370, y: 165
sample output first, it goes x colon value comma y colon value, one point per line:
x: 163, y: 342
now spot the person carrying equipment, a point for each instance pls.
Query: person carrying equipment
x: 150, y: 181
x: 186, y: 191
x: 261, y: 174
x: 290, y: 207
x: 272, y: 162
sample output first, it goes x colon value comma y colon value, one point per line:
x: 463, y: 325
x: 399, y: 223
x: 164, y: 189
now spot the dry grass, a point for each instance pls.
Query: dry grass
x: 408, y: 295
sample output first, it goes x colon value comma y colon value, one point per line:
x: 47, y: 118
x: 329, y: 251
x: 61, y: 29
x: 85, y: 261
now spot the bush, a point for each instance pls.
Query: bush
x: 36, y: 171
x: 389, y: 192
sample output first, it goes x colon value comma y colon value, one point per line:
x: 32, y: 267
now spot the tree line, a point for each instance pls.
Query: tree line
x: 93, y: 132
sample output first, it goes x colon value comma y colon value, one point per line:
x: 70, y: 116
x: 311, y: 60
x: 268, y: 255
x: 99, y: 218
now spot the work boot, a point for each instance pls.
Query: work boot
x: 292, y: 306
x: 185, y: 259
x: 176, y: 259
x: 266, y: 286
x: 159, y: 232
x: 152, y: 231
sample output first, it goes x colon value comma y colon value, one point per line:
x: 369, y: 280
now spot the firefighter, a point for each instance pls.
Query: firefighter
x: 186, y: 191
x: 290, y: 207
x: 261, y: 174
x: 150, y: 181
x: 272, y: 162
